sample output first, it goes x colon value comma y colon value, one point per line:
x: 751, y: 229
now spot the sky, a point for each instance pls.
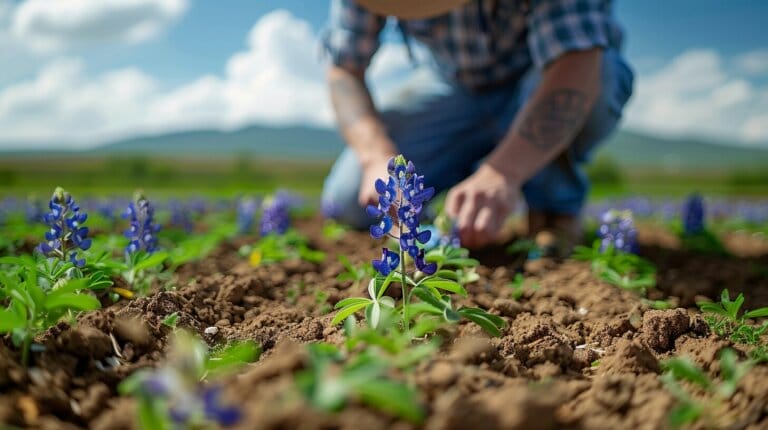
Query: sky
x: 75, y: 73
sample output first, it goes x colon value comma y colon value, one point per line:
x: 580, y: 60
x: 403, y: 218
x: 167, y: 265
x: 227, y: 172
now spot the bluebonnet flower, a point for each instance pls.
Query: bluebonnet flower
x: 33, y: 212
x: 618, y: 231
x: 401, y: 200
x: 190, y: 404
x: 143, y: 230
x: 388, y: 262
x: 693, y: 215
x: 181, y: 216
x: 276, y: 215
x: 246, y: 213
x: 66, y: 233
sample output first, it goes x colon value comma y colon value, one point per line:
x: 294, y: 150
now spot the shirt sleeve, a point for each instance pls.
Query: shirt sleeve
x: 559, y: 26
x: 353, y: 35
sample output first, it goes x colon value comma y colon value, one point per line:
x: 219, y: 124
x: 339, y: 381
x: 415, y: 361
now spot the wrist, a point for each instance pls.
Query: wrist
x: 504, y: 170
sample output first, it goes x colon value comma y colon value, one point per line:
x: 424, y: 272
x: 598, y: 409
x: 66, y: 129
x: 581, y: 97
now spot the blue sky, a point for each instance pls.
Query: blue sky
x: 84, y: 71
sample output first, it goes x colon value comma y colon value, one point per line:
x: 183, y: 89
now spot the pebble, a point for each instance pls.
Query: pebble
x: 211, y: 330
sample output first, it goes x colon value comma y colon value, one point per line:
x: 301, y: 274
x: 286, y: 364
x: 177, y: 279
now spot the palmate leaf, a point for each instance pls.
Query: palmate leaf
x: 82, y: 302
x: 232, y: 356
x: 445, y: 284
x: 687, y: 413
x: 392, y: 397
x: 10, y: 320
x: 488, y: 322
x: 350, y: 309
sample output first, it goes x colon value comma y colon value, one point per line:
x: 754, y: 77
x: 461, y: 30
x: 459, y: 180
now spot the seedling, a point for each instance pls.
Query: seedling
x: 329, y: 383
x: 682, y: 376
x: 518, y: 286
x: 35, y: 303
x: 176, y: 396
x: 726, y: 319
x: 617, y: 267
x: 274, y: 248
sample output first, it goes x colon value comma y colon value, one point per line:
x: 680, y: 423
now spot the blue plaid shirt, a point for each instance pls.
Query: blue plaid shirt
x: 484, y: 42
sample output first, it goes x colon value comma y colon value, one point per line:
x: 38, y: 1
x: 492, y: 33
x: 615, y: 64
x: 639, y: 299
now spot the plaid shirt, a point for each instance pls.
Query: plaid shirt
x: 484, y: 42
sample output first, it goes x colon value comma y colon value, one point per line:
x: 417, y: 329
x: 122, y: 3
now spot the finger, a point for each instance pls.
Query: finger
x: 453, y: 202
x: 465, y: 219
x: 484, y: 225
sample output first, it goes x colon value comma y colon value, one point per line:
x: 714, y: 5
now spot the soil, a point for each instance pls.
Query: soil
x: 577, y: 353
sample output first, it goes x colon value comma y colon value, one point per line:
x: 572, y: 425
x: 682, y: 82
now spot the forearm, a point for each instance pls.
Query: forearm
x: 356, y: 116
x: 551, y: 118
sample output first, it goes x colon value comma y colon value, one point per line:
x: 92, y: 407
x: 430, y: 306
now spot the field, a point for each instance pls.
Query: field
x: 501, y: 337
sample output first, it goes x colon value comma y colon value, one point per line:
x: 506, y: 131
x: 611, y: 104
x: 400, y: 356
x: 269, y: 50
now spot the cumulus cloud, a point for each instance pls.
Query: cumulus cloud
x: 47, y: 25
x: 277, y: 79
x: 695, y: 95
x: 754, y: 63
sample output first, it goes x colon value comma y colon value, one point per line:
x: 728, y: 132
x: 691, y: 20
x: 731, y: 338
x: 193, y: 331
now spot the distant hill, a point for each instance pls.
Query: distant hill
x: 628, y: 148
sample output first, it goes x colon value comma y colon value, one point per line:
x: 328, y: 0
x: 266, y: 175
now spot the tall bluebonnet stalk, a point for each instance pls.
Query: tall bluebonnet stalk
x: 617, y: 230
x: 401, y: 200
x: 143, y: 230
x: 33, y: 212
x: 276, y: 214
x: 181, y: 216
x: 693, y: 215
x: 67, y: 233
x: 246, y: 213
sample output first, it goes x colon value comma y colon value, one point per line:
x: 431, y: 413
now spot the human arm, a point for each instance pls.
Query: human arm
x: 545, y: 126
x: 360, y: 127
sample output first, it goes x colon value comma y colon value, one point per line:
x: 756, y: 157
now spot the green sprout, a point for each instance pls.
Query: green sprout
x: 726, y: 319
x: 683, y: 379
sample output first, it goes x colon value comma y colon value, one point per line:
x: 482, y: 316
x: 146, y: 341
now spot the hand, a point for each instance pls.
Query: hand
x: 374, y: 169
x: 480, y: 204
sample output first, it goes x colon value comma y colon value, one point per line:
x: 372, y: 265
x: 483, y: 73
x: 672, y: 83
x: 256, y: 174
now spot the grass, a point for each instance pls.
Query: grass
x: 162, y: 176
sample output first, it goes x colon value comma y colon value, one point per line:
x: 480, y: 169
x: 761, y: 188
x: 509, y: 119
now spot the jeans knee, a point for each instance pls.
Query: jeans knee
x: 340, y: 191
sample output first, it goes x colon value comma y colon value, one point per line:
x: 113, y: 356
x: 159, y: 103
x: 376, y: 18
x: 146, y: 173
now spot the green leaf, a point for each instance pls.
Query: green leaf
x: 482, y: 319
x: 171, y: 320
x: 757, y: 313
x: 427, y: 296
x: 351, y: 301
x: 81, y: 302
x: 71, y: 286
x: 349, y: 310
x: 461, y: 262
x: 392, y: 397
x: 683, y: 368
x: 150, y: 260
x: 232, y: 357
x: 10, y: 320
x: 445, y: 284
x: 684, y: 414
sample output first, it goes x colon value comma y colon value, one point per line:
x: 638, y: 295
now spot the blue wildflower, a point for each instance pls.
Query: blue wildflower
x: 276, y: 215
x: 693, y: 215
x: 215, y: 411
x: 143, y: 230
x: 389, y: 262
x: 246, y: 214
x: 401, y: 199
x: 66, y: 233
x: 33, y: 212
x: 181, y: 216
x: 618, y: 231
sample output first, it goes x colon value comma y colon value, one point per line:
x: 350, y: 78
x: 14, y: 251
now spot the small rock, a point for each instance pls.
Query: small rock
x: 211, y: 330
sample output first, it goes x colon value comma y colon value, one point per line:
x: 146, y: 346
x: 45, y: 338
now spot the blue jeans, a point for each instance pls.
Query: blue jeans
x: 447, y: 130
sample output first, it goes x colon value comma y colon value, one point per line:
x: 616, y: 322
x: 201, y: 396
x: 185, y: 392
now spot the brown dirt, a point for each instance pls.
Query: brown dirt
x: 577, y: 354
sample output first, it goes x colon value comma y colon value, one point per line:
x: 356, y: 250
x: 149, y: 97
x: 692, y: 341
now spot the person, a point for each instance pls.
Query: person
x: 514, y: 97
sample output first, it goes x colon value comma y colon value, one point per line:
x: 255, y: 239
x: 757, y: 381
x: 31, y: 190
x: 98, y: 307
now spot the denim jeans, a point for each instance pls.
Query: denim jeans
x: 447, y: 130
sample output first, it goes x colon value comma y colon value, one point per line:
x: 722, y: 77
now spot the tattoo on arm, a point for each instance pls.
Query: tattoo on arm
x: 351, y: 100
x: 554, y: 118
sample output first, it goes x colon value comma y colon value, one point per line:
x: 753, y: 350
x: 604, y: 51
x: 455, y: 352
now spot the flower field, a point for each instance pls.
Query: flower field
x: 256, y: 312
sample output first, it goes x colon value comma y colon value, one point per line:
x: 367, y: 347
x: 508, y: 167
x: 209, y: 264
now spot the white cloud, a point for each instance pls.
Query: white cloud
x: 753, y: 63
x: 48, y: 25
x: 278, y: 79
x: 695, y: 95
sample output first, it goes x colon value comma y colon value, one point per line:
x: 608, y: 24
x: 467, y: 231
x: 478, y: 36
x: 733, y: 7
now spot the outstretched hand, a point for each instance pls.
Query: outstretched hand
x: 480, y: 204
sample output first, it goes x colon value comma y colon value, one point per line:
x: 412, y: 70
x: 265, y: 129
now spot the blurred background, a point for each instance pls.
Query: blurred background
x: 192, y: 96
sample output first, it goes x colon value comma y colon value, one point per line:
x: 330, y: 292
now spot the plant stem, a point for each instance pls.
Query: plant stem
x: 403, y: 279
